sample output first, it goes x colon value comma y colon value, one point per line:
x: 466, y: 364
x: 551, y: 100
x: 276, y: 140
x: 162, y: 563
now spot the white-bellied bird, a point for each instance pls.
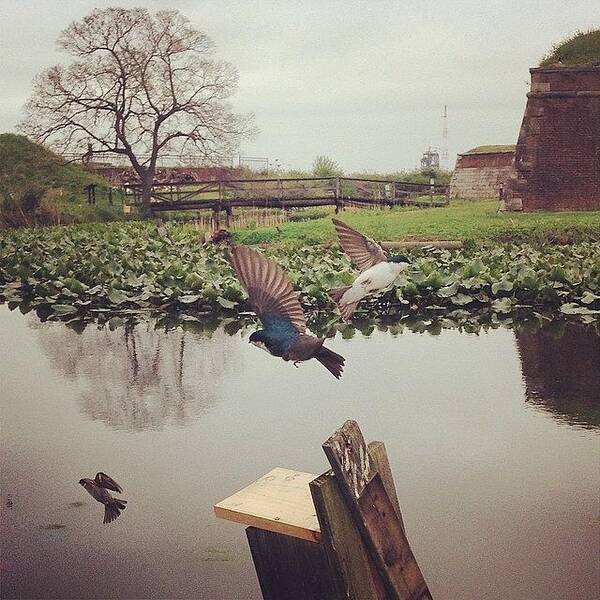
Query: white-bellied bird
x: 379, y: 270
x: 98, y: 488
x: 278, y: 308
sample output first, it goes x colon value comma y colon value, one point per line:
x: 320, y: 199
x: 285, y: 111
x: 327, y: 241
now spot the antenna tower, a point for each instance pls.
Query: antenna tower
x: 444, y: 148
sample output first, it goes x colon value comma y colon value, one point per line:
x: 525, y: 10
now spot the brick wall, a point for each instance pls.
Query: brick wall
x: 557, y: 158
x: 480, y: 175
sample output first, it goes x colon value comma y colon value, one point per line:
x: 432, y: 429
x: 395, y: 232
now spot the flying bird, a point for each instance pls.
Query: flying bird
x: 98, y: 489
x: 379, y: 270
x: 278, y: 308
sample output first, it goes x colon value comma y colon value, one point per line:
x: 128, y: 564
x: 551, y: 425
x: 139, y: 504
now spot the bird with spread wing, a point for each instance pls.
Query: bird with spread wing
x: 98, y: 488
x: 378, y: 270
x: 278, y: 308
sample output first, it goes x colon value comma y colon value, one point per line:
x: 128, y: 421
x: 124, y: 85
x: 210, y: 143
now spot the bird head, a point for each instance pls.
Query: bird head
x: 399, y: 258
x: 259, y: 339
x: 255, y: 337
x: 82, y: 482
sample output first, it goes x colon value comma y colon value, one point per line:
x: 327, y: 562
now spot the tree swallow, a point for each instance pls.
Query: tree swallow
x: 278, y: 308
x: 379, y: 270
x: 98, y: 489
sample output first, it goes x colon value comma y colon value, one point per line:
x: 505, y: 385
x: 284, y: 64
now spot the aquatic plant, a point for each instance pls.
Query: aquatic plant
x: 129, y: 267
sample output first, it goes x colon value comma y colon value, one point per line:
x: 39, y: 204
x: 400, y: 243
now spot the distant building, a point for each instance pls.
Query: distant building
x: 482, y: 171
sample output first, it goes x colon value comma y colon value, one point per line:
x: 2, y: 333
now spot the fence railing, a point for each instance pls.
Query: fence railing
x: 290, y: 192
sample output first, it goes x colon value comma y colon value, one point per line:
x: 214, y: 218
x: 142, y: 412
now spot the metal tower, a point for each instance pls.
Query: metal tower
x: 444, y: 148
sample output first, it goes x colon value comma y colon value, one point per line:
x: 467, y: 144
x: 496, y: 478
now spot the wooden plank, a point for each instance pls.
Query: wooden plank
x: 290, y: 568
x: 353, y: 572
x: 374, y: 513
x: 280, y: 501
x: 445, y: 244
x: 391, y: 549
x: 380, y: 461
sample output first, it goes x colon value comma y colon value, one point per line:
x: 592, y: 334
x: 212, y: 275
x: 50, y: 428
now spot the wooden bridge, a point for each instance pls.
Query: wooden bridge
x: 286, y: 193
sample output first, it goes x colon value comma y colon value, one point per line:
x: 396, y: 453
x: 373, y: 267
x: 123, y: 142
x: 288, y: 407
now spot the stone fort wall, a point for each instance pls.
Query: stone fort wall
x: 557, y: 158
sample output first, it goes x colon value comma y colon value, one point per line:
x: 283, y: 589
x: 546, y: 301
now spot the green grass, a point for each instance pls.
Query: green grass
x: 461, y: 220
x: 492, y: 149
x: 580, y: 49
x: 30, y: 170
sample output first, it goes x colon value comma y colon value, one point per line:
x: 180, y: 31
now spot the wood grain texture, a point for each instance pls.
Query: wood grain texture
x: 445, y: 244
x: 280, y: 501
x: 290, y: 568
x: 381, y: 464
x: 375, y: 513
x: 354, y: 574
x: 347, y: 453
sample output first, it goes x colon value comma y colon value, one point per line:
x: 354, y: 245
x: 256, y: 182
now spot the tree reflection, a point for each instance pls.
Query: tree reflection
x: 561, y: 369
x: 168, y: 370
x: 141, y: 376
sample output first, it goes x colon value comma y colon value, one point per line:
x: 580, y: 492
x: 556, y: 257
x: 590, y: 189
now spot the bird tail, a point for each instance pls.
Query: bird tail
x: 346, y: 310
x: 337, y: 293
x: 333, y: 362
x: 113, y: 509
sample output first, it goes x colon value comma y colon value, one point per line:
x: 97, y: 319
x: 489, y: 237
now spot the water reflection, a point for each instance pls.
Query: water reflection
x: 145, y: 374
x: 139, y: 377
x: 517, y: 486
x: 561, y: 369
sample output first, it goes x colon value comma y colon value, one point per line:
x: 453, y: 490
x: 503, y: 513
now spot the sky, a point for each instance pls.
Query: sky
x: 364, y: 82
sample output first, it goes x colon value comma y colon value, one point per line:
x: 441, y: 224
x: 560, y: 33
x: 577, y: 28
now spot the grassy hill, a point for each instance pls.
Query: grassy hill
x: 581, y: 49
x: 39, y: 187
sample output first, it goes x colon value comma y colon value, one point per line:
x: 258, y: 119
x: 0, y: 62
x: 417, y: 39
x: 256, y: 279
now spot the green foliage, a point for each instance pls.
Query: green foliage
x: 325, y: 166
x: 80, y: 270
x: 37, y: 187
x: 420, y: 175
x: 580, y: 49
x: 492, y: 149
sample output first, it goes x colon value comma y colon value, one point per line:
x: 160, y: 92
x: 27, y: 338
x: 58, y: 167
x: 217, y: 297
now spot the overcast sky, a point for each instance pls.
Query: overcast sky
x: 364, y: 82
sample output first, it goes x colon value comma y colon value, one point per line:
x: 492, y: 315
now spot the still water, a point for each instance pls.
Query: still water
x: 493, y: 440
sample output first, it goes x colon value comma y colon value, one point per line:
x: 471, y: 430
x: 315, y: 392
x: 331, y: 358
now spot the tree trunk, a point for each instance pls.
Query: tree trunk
x: 147, y: 181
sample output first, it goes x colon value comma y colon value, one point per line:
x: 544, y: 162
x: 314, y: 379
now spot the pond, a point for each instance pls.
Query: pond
x: 493, y: 441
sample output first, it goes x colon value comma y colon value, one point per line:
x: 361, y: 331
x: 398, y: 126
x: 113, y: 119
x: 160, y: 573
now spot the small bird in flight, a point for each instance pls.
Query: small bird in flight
x: 279, y: 310
x: 98, y: 489
x: 379, y: 270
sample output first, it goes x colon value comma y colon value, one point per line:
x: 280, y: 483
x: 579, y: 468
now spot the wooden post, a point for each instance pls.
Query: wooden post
x: 290, y: 568
x: 375, y: 514
x: 339, y: 536
x: 338, y: 196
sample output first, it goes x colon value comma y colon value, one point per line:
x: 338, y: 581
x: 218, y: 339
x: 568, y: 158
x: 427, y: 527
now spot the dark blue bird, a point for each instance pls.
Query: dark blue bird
x: 277, y: 306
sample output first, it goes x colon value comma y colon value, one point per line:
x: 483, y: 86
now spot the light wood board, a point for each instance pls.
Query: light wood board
x: 279, y: 501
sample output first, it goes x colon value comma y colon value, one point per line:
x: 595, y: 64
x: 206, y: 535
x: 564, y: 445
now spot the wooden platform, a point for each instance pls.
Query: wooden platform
x: 279, y: 501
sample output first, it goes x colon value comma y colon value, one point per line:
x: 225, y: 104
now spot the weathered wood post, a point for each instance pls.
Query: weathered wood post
x: 336, y: 536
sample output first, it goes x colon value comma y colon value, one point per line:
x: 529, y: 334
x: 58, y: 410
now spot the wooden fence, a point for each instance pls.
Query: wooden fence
x: 286, y: 193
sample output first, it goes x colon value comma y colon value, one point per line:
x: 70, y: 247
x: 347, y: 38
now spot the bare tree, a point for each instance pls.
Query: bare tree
x: 141, y: 84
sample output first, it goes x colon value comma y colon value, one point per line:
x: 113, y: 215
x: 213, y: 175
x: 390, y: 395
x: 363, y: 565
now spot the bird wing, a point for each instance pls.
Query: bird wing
x: 268, y: 287
x: 103, y: 480
x: 361, y: 250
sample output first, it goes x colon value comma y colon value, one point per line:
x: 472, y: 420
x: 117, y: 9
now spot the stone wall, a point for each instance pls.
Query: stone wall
x: 557, y: 158
x: 480, y: 175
